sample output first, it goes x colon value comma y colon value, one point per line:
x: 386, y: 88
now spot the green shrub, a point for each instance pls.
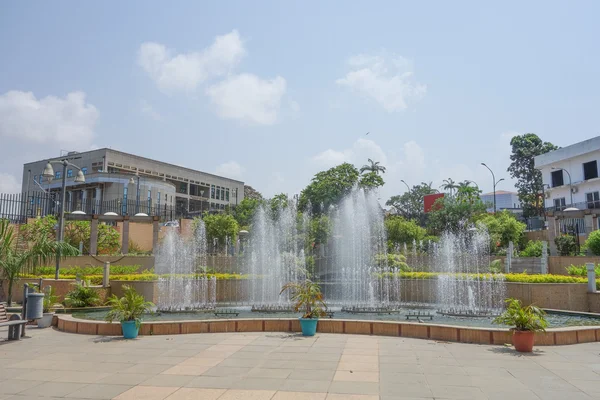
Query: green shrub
x: 581, y: 270
x: 533, y: 249
x: 86, y: 271
x: 593, y: 243
x: 394, y: 260
x: 497, y: 267
x: 566, y: 245
x: 82, y: 295
x: 529, y: 318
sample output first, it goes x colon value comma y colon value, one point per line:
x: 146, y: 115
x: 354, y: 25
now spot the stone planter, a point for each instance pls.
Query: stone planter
x: 45, y: 321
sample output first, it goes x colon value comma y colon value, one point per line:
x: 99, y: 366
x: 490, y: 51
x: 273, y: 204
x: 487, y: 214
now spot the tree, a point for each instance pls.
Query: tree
x: 13, y: 259
x: 449, y: 185
x: 522, y: 168
x: 451, y: 213
x: 371, y: 180
x: 251, y: 193
x: 373, y: 166
x: 503, y: 228
x: 410, y: 205
x: 221, y: 227
x: 319, y: 229
x: 80, y: 231
x: 467, y: 193
x: 593, y: 243
x: 244, y: 212
x: 400, y: 230
x: 328, y: 187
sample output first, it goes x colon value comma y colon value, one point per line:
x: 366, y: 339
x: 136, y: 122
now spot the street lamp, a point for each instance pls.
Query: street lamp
x: 495, y: 183
x: 570, y: 183
x: 79, y: 178
x: 137, y: 193
x: 407, y: 187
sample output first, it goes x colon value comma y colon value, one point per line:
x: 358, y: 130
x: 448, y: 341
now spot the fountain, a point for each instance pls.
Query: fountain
x: 276, y: 253
x: 466, y: 286
x: 177, y: 262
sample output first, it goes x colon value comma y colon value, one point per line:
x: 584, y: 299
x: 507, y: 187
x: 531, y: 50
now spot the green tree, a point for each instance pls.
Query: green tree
x: 400, y: 230
x: 328, y: 187
x: 522, y: 168
x: 371, y: 180
x: 503, y: 228
x: 410, y: 205
x: 373, y: 166
x: 14, y: 259
x: 277, y: 203
x: 593, y: 243
x: 220, y: 226
x: 251, y: 193
x: 467, y: 193
x: 449, y: 185
x: 319, y: 229
x: 244, y: 212
x: 451, y: 213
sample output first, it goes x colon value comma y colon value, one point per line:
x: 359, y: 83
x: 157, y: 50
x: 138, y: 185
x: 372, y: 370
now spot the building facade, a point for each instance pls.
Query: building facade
x: 137, y: 183
x: 505, y: 200
x: 570, y: 176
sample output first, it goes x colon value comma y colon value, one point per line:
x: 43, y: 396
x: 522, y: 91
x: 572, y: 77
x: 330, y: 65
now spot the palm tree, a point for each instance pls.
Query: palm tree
x: 467, y: 192
x: 373, y: 167
x: 449, y: 185
x: 13, y: 259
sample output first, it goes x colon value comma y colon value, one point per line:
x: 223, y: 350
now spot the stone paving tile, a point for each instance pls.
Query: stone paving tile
x: 279, y: 373
x: 227, y: 371
x: 354, y: 387
x: 457, y: 392
x: 196, y: 393
x: 15, y: 386
x: 355, y: 366
x: 36, y: 375
x: 398, y: 378
x: 358, y: 376
x: 303, y: 385
x: 336, y: 396
x: 299, y: 396
x: 312, y: 374
x: 258, y: 383
x: 168, y: 380
x: 53, y: 389
x: 243, y: 362
x: 146, y: 369
x: 99, y: 391
x: 81, y: 377
x: 126, y: 379
x: 405, y: 389
x: 549, y: 395
x: 247, y: 395
x: 217, y: 382
x: 146, y: 393
x: 511, y: 394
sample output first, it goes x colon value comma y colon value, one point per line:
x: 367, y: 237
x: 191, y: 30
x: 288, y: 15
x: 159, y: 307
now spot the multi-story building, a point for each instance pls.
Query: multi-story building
x: 117, y: 177
x: 570, y: 176
x: 505, y: 200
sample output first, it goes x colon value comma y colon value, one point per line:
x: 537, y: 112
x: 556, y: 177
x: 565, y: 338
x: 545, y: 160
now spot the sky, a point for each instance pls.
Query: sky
x: 272, y: 92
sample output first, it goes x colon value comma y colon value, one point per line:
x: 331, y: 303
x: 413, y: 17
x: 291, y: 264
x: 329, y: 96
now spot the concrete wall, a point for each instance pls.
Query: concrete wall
x: 148, y: 289
x: 557, y: 264
x: 139, y: 233
x: 560, y: 296
x: 594, y: 302
x: 537, y: 235
x: 145, y: 262
x: 61, y: 287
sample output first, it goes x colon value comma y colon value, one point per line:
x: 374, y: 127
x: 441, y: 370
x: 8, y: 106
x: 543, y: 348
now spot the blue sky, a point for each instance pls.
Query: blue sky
x: 272, y: 92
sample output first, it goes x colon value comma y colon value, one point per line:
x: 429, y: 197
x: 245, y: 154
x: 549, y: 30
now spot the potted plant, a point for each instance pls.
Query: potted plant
x: 50, y: 302
x: 128, y: 310
x: 307, y: 297
x: 525, y: 321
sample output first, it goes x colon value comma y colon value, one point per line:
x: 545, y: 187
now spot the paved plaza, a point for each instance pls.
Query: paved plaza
x: 278, y: 366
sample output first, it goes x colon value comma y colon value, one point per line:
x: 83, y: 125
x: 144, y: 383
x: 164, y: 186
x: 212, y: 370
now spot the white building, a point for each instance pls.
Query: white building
x: 570, y: 175
x: 505, y: 200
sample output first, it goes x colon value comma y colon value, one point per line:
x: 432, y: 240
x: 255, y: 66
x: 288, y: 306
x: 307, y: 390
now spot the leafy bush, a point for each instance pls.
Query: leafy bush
x: 566, y: 245
x: 593, y: 243
x: 518, y: 278
x: 581, y: 270
x: 533, y: 249
x: 496, y: 267
x: 400, y: 231
x: 85, y: 271
x: 82, y: 295
x: 130, y: 307
x: 503, y: 228
x: 529, y: 318
x: 144, y: 276
x: 50, y: 299
x: 394, y: 260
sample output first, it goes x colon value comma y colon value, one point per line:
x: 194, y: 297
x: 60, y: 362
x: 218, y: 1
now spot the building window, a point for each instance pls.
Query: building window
x: 158, y: 197
x: 149, y: 201
x: 593, y: 199
x: 212, y: 191
x: 69, y: 173
x: 557, y: 178
x: 57, y: 174
x: 124, y: 207
x: 35, y: 179
x: 222, y: 193
x: 84, y: 170
x: 560, y: 204
x: 227, y: 194
x: 218, y: 192
x: 590, y: 170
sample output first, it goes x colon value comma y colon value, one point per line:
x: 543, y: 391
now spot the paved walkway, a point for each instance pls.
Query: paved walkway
x: 277, y: 366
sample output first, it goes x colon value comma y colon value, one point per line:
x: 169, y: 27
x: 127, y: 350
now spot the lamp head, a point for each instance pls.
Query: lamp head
x: 131, y: 181
x: 48, y: 171
x: 80, y: 178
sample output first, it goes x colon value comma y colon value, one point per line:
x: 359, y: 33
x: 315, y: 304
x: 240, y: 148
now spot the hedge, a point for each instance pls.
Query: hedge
x: 518, y: 278
x: 85, y: 271
x: 97, y: 279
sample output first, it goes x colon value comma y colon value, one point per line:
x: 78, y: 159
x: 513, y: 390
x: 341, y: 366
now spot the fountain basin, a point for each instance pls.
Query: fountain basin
x: 452, y: 333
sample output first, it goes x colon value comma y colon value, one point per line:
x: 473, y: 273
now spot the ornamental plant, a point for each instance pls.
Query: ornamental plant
x: 593, y: 243
x: 529, y: 318
x: 307, y: 297
x: 82, y: 295
x: 130, y: 307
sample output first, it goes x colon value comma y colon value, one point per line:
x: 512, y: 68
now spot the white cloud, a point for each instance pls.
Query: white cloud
x: 230, y: 169
x: 248, y: 98
x: 185, y: 71
x: 9, y: 184
x: 68, y: 123
x: 387, y: 79
x: 358, y: 154
x: 149, y: 111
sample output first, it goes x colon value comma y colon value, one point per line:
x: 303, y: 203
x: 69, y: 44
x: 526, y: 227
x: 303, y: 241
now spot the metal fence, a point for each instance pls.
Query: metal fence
x: 18, y: 207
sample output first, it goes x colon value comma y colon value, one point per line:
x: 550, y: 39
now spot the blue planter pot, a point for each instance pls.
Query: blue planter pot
x: 130, y: 330
x: 309, y: 326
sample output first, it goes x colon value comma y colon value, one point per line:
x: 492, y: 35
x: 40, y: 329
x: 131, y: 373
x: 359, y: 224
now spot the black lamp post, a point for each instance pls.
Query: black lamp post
x: 80, y: 178
x: 495, y: 183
